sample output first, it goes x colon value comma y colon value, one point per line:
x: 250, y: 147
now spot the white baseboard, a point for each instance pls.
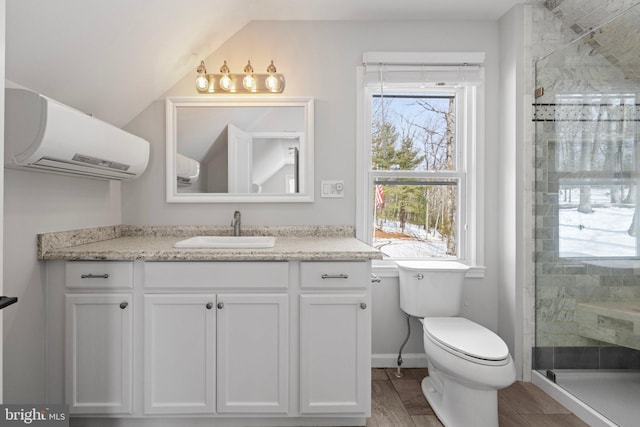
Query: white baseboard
x: 412, y: 360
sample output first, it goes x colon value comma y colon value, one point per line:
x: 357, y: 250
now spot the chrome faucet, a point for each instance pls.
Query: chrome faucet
x: 235, y: 223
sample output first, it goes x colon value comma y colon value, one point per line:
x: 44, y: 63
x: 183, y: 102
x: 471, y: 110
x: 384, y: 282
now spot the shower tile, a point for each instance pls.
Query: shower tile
x: 619, y: 358
x: 589, y: 280
x: 628, y: 339
x: 610, y: 281
x: 544, y: 280
x: 623, y: 293
x: 542, y: 357
x: 547, y: 292
x: 575, y: 269
x: 622, y: 271
x: 564, y: 280
x: 552, y: 4
x: 549, y: 245
x: 616, y: 324
x: 576, y: 358
x: 631, y: 280
x: 595, y: 269
x: 542, y: 256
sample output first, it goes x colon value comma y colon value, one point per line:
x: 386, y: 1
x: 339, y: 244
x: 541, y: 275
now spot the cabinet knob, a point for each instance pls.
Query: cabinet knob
x: 363, y: 305
x: 209, y: 305
x: 124, y: 305
x: 220, y: 305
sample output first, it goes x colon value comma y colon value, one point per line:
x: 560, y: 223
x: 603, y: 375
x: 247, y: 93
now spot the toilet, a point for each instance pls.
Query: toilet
x: 467, y: 362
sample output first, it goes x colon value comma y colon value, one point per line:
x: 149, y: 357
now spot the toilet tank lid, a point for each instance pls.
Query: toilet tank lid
x: 428, y: 265
x: 467, y: 337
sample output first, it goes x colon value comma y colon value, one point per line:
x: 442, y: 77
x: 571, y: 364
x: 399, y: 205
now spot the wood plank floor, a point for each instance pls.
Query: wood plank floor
x: 398, y: 402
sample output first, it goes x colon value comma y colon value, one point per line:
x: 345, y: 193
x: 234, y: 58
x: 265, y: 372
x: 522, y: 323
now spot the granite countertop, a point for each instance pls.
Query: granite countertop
x: 156, y: 244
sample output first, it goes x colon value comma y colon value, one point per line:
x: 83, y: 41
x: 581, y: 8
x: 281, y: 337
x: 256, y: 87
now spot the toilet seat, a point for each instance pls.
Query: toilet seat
x: 466, y: 339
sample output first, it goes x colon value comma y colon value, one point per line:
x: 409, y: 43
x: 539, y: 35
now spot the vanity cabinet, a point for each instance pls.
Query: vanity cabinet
x: 335, y: 338
x: 253, y: 353
x: 99, y: 353
x: 179, y: 354
x: 247, y: 334
x: 287, y: 342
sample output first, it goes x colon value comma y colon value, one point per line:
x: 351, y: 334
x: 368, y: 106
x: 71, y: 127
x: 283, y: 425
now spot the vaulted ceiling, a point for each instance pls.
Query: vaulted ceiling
x: 112, y: 58
x: 611, y: 28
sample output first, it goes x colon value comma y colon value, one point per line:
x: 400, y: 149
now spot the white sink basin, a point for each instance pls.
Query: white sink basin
x: 221, y: 242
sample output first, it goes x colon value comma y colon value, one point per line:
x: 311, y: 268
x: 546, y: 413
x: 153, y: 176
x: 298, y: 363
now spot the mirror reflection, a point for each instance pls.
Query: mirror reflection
x: 239, y: 148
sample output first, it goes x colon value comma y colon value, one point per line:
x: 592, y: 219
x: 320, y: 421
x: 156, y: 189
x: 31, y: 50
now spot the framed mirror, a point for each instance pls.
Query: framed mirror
x: 229, y: 149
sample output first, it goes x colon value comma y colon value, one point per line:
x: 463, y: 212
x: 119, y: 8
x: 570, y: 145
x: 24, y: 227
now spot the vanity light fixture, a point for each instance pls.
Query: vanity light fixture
x: 272, y: 82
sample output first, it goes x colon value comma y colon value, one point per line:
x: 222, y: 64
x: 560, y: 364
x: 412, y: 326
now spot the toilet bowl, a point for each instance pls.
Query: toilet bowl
x: 467, y: 362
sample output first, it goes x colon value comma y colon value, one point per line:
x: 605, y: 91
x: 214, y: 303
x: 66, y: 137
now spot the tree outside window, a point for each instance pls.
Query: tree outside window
x: 415, y: 174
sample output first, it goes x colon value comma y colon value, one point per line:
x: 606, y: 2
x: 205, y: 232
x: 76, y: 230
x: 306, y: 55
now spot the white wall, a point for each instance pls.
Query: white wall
x: 37, y: 203
x: 319, y: 60
x: 511, y: 180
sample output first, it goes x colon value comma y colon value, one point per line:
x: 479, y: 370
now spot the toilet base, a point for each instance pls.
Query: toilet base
x: 459, y: 406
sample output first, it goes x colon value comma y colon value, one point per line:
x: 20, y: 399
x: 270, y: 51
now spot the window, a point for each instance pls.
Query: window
x: 418, y: 149
x: 595, y: 167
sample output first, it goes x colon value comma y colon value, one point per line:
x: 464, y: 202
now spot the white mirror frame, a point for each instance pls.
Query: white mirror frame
x: 306, y: 151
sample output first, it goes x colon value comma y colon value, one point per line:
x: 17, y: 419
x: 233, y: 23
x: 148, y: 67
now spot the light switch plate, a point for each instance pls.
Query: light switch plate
x: 332, y: 189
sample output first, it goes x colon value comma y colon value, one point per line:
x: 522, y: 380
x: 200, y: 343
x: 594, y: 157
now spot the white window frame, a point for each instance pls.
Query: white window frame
x: 470, y: 157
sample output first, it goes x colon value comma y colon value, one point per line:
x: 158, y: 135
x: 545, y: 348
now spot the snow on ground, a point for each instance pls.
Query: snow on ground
x: 600, y: 234
x: 421, y: 245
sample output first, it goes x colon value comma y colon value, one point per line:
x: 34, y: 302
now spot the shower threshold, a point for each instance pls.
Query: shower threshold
x: 611, y: 393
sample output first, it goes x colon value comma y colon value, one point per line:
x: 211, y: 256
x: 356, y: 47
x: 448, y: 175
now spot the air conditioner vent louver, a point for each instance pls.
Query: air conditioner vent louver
x: 60, y: 166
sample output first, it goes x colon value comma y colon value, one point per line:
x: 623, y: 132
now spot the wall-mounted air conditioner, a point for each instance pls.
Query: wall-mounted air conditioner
x: 187, y: 170
x: 46, y: 136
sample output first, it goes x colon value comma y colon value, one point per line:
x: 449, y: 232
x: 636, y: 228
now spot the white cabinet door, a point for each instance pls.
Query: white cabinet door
x: 99, y: 353
x: 179, y: 346
x: 335, y: 353
x: 253, y: 353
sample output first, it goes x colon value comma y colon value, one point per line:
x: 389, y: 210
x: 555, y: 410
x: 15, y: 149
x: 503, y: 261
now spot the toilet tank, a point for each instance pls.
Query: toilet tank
x: 431, y: 288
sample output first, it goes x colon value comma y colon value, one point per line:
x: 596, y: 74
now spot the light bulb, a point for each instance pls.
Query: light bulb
x: 225, y: 81
x: 271, y: 82
x: 249, y: 81
x: 202, y: 83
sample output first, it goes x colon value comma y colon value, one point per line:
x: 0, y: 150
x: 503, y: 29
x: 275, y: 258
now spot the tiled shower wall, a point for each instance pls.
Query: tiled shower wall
x: 562, y: 283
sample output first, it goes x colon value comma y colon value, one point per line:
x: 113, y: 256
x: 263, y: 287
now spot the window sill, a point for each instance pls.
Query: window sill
x: 388, y: 268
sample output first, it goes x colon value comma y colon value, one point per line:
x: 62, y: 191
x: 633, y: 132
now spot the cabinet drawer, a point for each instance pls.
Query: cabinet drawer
x: 234, y: 275
x: 335, y: 275
x: 100, y: 274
